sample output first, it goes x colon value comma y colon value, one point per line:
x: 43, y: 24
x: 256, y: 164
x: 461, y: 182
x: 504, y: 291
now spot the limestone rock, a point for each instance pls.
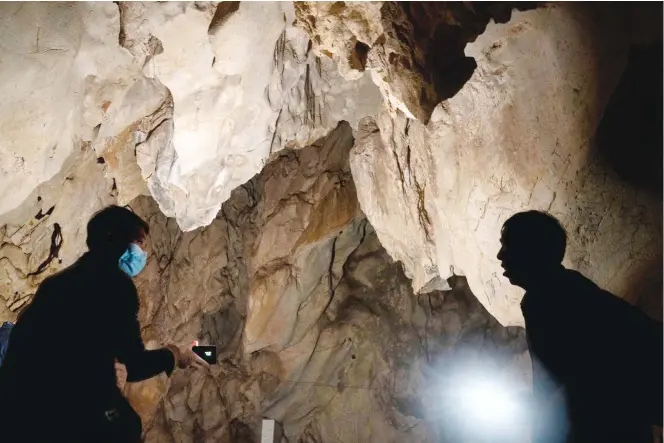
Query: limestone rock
x: 336, y: 279
x: 225, y: 126
x: 67, y: 80
x: 414, y: 50
x: 343, y: 31
x: 314, y: 323
x: 237, y: 82
x: 518, y: 135
x: 48, y: 51
x: 47, y: 233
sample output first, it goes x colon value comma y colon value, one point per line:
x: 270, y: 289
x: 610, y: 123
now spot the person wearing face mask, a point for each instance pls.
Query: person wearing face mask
x: 58, y: 379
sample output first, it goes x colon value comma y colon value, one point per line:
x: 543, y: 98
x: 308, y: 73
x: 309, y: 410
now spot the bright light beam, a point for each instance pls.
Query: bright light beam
x: 477, y: 402
x: 488, y: 403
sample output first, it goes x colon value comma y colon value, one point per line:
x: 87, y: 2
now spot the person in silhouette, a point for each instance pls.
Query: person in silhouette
x: 603, y: 355
x: 58, y: 380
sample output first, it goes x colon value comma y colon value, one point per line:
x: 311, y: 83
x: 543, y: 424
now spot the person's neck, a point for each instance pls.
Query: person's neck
x: 544, y: 278
x: 102, y: 259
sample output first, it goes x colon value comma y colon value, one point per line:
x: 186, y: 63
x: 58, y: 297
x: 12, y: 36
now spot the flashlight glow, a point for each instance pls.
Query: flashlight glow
x: 476, y: 401
x: 487, y: 403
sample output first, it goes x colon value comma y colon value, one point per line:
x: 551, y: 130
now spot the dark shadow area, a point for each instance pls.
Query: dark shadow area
x: 629, y: 137
x: 437, y: 34
x: 647, y: 294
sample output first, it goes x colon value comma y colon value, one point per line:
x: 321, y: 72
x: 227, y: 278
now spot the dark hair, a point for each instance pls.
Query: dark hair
x: 539, y: 231
x: 113, y: 228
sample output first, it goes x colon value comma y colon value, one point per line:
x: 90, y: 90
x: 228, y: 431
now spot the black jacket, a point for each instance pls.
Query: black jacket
x: 604, y: 352
x: 59, y: 373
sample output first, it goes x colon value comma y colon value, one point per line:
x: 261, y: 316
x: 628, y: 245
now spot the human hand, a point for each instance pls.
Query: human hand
x: 185, y: 357
x: 193, y: 360
x: 120, y: 375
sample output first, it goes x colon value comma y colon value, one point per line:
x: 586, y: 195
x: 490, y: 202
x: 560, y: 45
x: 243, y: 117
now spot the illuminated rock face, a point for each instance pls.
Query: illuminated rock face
x: 520, y: 134
x: 315, y: 324
x: 359, y: 177
x: 198, y: 95
x: 244, y: 85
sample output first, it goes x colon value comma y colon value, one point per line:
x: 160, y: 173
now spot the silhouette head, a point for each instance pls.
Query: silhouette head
x: 111, y: 230
x: 532, y: 245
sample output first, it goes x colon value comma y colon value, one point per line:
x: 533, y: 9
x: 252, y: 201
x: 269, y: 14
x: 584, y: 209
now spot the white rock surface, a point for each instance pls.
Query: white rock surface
x: 240, y: 85
x: 46, y: 53
x: 242, y: 90
x: 67, y: 80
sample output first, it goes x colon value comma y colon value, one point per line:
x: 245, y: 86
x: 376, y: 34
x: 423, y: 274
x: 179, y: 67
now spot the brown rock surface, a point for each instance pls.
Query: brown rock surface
x: 331, y: 282
x: 316, y: 326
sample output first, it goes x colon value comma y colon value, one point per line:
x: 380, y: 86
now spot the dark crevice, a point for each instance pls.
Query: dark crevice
x: 56, y: 244
x: 223, y: 12
x: 401, y: 175
x: 629, y: 136
x: 423, y: 214
x: 274, y: 135
x: 358, y: 56
x: 122, y: 35
x: 41, y: 215
x: 331, y: 267
x: 422, y: 28
x: 310, y: 96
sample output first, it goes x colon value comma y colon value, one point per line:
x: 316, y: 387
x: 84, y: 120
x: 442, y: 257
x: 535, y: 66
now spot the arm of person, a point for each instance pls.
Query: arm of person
x: 142, y: 364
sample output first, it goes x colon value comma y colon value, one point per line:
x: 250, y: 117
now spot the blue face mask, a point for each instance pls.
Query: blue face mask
x: 133, y: 260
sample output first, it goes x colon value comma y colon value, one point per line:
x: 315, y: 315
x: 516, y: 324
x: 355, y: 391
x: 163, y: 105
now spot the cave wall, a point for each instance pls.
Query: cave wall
x: 519, y: 134
x: 336, y: 282
x: 186, y: 100
x: 172, y: 109
x: 317, y: 327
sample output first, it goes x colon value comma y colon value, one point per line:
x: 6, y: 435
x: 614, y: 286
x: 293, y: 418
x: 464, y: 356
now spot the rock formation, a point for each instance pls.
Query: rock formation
x: 316, y: 326
x: 437, y: 194
x: 219, y: 88
x: 325, y: 184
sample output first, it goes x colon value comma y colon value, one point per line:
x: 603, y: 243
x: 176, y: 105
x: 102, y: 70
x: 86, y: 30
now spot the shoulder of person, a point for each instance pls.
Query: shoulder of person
x: 126, y: 294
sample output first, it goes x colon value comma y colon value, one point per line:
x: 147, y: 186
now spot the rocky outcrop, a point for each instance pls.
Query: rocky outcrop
x: 217, y: 87
x: 244, y: 85
x: 316, y: 325
x: 62, y: 69
x: 414, y: 50
x: 438, y: 194
x: 326, y: 242
x: 187, y: 101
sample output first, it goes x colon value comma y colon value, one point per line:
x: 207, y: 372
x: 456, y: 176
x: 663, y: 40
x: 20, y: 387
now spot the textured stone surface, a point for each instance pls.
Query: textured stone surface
x: 57, y: 59
x: 48, y: 232
x: 414, y: 50
x: 518, y: 135
x: 224, y: 125
x: 231, y: 83
x: 333, y: 290
x: 343, y: 31
x: 315, y: 324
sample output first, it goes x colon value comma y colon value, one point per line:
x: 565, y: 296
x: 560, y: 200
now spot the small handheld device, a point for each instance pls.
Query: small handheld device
x: 207, y: 353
